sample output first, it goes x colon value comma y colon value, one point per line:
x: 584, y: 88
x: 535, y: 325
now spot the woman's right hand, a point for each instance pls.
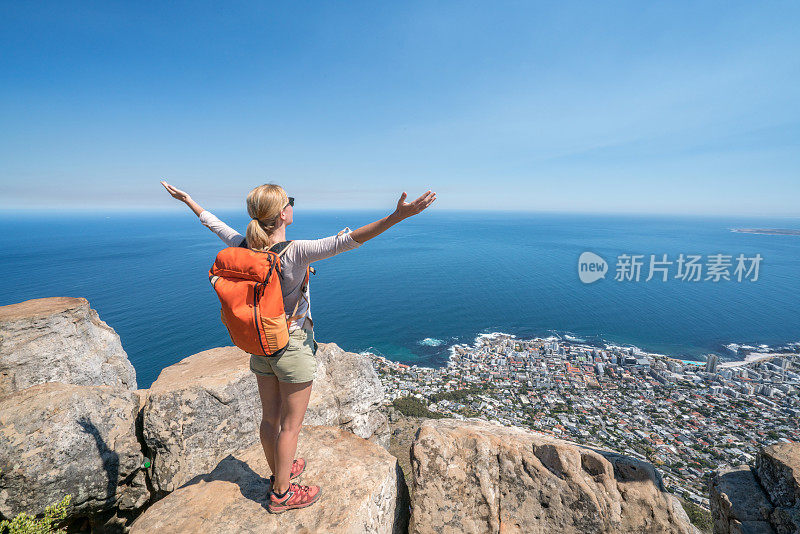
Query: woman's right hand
x: 176, y: 193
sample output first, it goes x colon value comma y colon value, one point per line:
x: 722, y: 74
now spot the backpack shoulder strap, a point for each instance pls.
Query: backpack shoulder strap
x: 280, y: 248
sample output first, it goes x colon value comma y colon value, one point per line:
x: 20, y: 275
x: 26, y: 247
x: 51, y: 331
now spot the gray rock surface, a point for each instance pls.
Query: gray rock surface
x: 349, y: 394
x: 59, y: 339
x: 206, y: 407
x: 362, y: 492
x: 58, y: 439
x: 778, y: 471
x: 765, y: 499
x: 477, y: 477
x: 738, y: 504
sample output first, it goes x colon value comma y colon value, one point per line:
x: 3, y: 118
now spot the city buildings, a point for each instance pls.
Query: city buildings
x: 686, y: 418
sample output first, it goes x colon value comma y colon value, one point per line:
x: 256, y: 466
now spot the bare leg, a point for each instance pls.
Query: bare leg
x: 294, y: 401
x: 270, y: 416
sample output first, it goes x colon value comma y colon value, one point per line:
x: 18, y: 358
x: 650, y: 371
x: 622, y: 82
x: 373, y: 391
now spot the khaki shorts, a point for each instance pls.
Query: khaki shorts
x: 297, y: 364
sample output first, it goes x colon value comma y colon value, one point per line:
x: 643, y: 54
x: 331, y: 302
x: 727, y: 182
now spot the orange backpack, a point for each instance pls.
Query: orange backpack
x: 248, y: 284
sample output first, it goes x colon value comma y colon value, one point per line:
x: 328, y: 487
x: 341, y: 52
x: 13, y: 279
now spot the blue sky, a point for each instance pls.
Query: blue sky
x: 632, y: 107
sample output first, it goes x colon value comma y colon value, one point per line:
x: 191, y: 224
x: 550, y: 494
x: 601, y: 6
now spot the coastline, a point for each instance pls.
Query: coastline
x: 731, y: 353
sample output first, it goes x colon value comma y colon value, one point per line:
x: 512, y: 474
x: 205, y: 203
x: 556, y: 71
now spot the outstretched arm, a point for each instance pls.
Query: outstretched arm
x: 183, y: 197
x: 231, y: 237
x: 404, y: 211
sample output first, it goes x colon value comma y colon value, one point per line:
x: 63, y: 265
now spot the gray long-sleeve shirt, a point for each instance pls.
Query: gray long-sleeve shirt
x: 294, y: 261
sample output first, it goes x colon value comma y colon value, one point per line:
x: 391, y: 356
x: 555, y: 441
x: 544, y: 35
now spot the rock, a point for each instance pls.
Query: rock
x: 206, y: 407
x: 59, y: 340
x: 198, y: 411
x: 761, y: 500
x: 362, y: 491
x: 778, y: 470
x: 58, y: 439
x: 404, y: 429
x: 738, y: 503
x: 348, y: 393
x: 474, y: 476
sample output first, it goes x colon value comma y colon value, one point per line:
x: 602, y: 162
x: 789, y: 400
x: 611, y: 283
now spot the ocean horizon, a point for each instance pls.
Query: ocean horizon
x: 436, y: 280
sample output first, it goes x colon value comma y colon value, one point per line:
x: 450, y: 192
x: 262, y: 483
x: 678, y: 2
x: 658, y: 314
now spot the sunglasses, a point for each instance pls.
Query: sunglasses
x: 291, y: 203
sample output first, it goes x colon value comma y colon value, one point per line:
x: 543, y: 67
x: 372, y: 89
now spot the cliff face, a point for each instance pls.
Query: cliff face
x: 68, y: 412
x: 72, y: 421
x: 89, y: 433
x: 760, y: 500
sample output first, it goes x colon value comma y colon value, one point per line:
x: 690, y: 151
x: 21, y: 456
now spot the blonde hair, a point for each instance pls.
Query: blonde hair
x: 264, y: 205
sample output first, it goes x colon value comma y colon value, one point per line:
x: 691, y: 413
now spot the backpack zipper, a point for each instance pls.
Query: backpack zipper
x: 256, y: 298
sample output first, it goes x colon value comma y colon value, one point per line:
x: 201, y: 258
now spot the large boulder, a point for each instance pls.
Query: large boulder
x: 58, y: 439
x: 59, y: 339
x: 362, y: 492
x: 472, y: 476
x: 760, y: 500
x: 206, y: 407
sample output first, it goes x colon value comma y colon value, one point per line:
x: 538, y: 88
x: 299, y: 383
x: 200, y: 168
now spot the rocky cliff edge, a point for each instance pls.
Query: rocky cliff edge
x: 184, y: 456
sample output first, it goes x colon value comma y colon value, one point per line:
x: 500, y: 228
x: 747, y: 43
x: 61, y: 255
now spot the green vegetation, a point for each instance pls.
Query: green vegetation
x: 561, y: 408
x: 27, y: 524
x: 699, y: 517
x: 456, y: 394
x: 413, y: 407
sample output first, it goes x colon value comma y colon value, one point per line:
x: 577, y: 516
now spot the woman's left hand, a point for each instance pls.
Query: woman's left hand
x: 408, y: 209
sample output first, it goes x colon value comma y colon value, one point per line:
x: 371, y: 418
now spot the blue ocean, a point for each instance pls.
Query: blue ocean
x: 435, y: 280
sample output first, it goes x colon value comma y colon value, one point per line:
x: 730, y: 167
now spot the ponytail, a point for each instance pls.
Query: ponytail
x: 264, y: 204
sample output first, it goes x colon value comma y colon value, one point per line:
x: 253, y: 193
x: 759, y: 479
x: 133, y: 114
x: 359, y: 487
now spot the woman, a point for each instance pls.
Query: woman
x: 284, y: 383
